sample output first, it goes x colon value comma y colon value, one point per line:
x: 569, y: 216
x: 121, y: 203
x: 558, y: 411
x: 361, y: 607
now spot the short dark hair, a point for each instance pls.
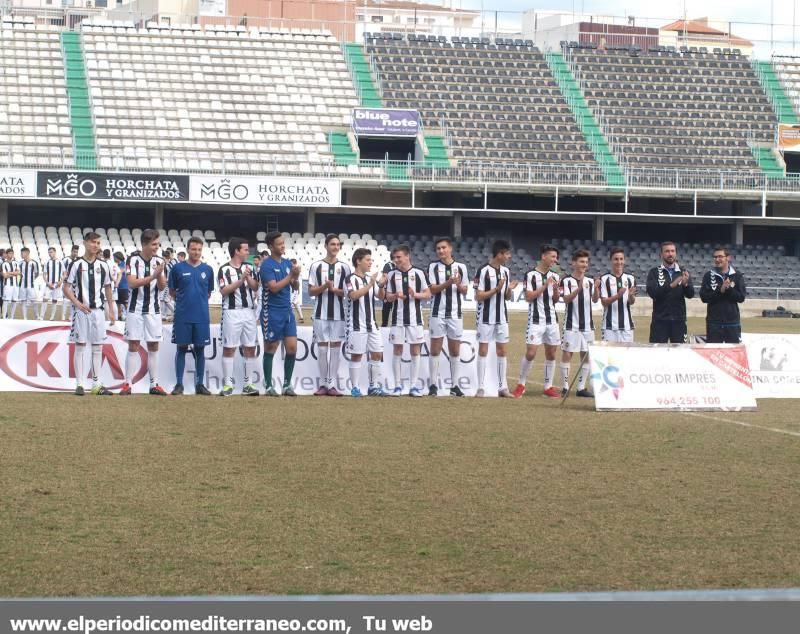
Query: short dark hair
x: 614, y: 250
x: 167, y: 252
x: 196, y: 240
x: 498, y: 246
x: 75, y: 247
x: 265, y: 254
x: 359, y: 254
x: 106, y: 253
x: 293, y: 261
x: 331, y: 236
x: 442, y: 239
x: 723, y: 249
x: 666, y: 244
x: 401, y: 248
x: 118, y: 256
x: 91, y: 235
x: 272, y: 236
x: 181, y: 253
x: 546, y: 248
x: 148, y: 235
x: 51, y: 249
x: 580, y: 253
x: 234, y: 244
x: 25, y: 250
x: 9, y: 250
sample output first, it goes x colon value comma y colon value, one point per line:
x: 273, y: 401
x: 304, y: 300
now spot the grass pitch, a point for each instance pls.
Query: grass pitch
x: 193, y: 495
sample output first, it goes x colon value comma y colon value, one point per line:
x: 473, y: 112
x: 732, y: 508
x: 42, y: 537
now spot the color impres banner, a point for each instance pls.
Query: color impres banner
x: 386, y: 122
x: 113, y: 186
x: 37, y: 356
x: 17, y: 184
x: 774, y: 364
x: 684, y: 377
x: 264, y: 190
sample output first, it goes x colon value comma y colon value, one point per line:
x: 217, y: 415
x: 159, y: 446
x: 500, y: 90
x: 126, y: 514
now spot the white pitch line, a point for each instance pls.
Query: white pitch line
x: 743, y: 424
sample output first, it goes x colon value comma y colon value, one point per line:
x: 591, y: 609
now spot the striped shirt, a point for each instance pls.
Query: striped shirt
x: 329, y: 307
x: 493, y: 310
x: 579, y: 312
x: 9, y: 267
x: 407, y: 311
x: 244, y: 296
x: 29, y: 272
x: 67, y: 263
x: 361, y: 311
x: 617, y: 316
x: 447, y: 303
x: 541, y: 310
x: 54, y: 272
x: 144, y: 299
x: 88, y: 281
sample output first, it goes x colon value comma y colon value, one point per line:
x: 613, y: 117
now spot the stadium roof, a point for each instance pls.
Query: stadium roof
x: 700, y: 27
x: 421, y: 6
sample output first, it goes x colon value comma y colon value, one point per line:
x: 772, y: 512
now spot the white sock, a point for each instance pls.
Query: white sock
x: 227, y: 370
x: 63, y: 312
x: 333, y: 366
x: 455, y: 367
x: 322, y: 361
x: 524, y: 370
x: 583, y: 374
x: 398, y: 371
x: 414, y: 370
x: 25, y: 309
x: 53, y: 311
x: 355, y: 366
x: 248, y: 369
x: 481, y: 371
x: 375, y: 369
x: 130, y: 366
x: 79, y: 373
x: 6, y: 309
x: 433, y: 366
x: 549, y: 371
x: 97, y: 362
x: 152, y: 366
x: 565, y: 375
x: 502, y: 371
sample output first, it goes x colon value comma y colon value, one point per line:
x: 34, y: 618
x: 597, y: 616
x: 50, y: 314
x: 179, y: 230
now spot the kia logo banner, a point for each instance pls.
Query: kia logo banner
x: 17, y: 184
x: 113, y: 186
x: 385, y: 122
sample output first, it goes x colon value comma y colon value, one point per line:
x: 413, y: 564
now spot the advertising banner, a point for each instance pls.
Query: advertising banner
x: 264, y: 190
x: 213, y: 7
x: 789, y: 137
x: 37, y: 356
x: 385, y: 122
x: 113, y: 186
x: 685, y: 377
x: 774, y: 364
x: 17, y: 184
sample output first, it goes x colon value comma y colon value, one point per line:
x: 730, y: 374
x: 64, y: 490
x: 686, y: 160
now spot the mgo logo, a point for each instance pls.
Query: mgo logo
x: 44, y: 359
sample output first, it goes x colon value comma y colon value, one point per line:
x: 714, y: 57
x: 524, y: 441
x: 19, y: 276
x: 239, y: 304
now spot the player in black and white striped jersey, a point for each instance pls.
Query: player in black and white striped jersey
x: 326, y: 281
x: 541, y: 289
x: 578, y: 292
x: 238, y: 285
x: 88, y: 287
x: 617, y: 294
x: 406, y: 287
x: 66, y: 261
x: 363, y: 336
x: 493, y: 288
x: 53, y: 280
x: 145, y: 276
x: 11, y: 275
x: 29, y: 271
x: 448, y: 283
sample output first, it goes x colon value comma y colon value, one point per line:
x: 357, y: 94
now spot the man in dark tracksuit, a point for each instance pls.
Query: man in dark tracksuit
x: 723, y: 289
x: 669, y: 287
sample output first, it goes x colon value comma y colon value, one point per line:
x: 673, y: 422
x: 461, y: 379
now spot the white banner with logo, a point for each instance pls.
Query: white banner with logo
x: 17, y: 184
x: 685, y: 377
x: 37, y: 356
x: 774, y: 364
x: 265, y: 190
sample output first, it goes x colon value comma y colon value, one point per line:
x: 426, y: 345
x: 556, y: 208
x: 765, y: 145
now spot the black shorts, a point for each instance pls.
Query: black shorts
x: 723, y: 333
x: 667, y: 331
x: 123, y: 294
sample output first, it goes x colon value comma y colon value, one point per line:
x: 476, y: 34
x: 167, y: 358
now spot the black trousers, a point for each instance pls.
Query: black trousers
x: 667, y: 331
x: 723, y: 333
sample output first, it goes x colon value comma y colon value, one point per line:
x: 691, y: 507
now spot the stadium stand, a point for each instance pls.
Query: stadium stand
x: 668, y: 109
x: 499, y: 101
x: 787, y: 69
x: 34, y: 115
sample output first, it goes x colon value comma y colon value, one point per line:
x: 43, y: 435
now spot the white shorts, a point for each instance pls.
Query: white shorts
x: 89, y: 328
x: 361, y: 342
x: 399, y: 335
x: 493, y: 332
x: 450, y: 327
x: 617, y: 336
x: 143, y: 327
x: 329, y: 331
x: 27, y: 295
x: 53, y: 294
x: 538, y: 334
x: 9, y: 293
x: 577, y: 340
x: 238, y: 327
